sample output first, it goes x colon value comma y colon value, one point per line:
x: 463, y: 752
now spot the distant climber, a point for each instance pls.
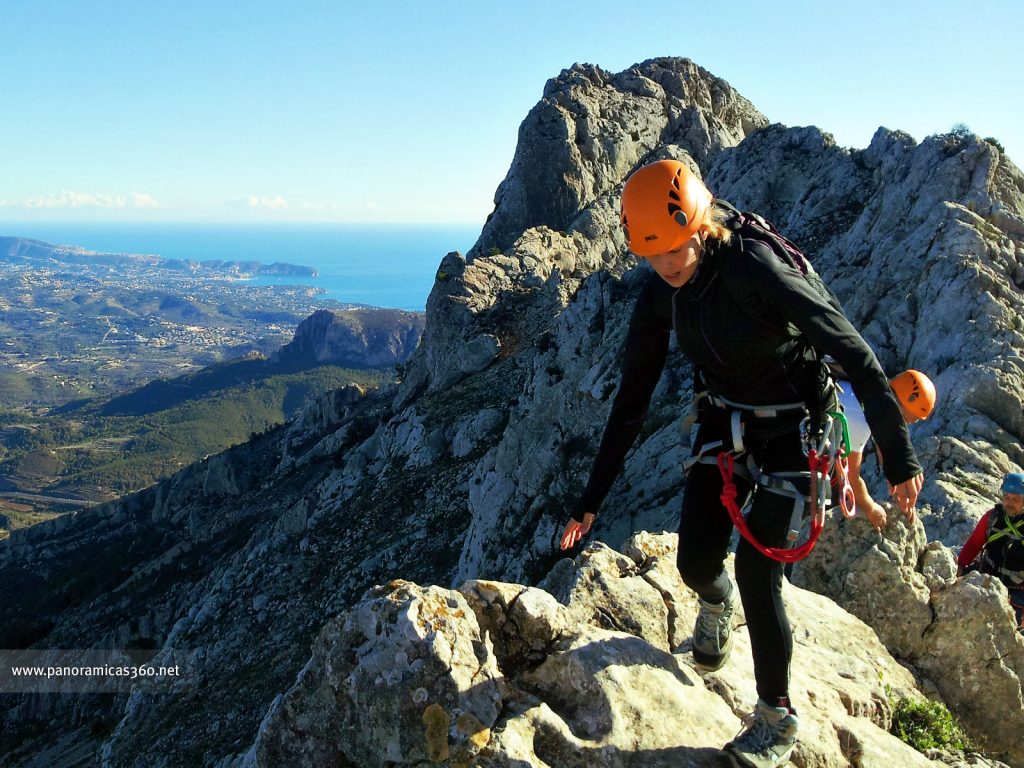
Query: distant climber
x: 915, y: 393
x: 756, y: 328
x: 996, y: 546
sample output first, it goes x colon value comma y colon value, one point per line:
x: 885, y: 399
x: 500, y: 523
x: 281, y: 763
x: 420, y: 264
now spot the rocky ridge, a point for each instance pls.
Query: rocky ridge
x: 466, y: 470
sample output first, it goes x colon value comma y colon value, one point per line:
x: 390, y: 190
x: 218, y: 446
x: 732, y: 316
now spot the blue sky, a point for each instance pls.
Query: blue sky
x: 402, y: 111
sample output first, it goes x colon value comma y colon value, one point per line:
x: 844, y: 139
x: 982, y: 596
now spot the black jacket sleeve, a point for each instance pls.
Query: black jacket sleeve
x: 643, y: 359
x: 788, y: 293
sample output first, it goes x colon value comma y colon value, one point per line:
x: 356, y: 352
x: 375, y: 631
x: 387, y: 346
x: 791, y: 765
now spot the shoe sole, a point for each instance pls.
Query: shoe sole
x: 742, y: 762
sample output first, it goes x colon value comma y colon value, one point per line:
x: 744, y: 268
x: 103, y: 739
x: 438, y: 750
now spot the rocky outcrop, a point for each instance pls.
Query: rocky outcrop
x: 24, y: 249
x: 499, y: 674
x: 591, y: 128
x: 315, y: 432
x: 362, y: 338
x: 466, y: 470
x: 959, y: 634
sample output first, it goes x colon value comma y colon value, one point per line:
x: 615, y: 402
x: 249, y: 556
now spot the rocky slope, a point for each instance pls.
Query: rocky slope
x: 466, y: 470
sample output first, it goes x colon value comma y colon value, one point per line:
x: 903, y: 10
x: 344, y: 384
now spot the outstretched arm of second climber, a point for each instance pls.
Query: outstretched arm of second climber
x: 974, y: 544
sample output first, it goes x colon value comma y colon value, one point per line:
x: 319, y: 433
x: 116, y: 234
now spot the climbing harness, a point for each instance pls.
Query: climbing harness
x: 726, y: 465
x: 1009, y: 530
x: 826, y: 450
x: 994, y: 534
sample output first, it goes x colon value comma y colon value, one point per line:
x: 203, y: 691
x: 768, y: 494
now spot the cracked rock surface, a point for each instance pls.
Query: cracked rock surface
x: 518, y: 678
x: 957, y: 633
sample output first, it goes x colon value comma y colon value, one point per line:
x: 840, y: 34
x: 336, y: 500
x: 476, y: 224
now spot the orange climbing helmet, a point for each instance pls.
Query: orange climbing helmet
x: 663, y: 206
x: 915, y: 391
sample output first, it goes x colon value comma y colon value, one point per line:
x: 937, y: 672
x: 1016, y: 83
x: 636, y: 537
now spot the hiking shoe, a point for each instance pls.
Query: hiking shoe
x: 712, y: 634
x: 768, y: 737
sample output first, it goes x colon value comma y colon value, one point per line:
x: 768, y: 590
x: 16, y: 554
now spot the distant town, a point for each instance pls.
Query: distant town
x: 79, y: 329
x: 74, y: 325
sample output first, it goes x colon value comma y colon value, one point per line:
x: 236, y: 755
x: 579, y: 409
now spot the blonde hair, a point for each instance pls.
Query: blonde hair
x: 714, y: 225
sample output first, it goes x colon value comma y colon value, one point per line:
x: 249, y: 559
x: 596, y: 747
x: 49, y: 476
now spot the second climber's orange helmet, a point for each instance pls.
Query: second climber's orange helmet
x: 663, y: 206
x: 915, y: 392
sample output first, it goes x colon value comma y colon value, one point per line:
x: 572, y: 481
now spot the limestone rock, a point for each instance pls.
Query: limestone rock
x: 560, y: 690
x: 405, y: 678
x: 522, y: 622
x: 958, y: 633
x: 976, y: 658
x: 874, y: 577
x: 592, y: 128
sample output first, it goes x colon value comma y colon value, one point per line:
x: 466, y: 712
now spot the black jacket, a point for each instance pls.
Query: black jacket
x: 760, y: 346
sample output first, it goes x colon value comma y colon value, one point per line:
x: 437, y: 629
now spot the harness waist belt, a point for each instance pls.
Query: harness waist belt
x: 758, y: 410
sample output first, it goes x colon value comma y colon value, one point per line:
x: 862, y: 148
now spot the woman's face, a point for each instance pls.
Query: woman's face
x: 676, y: 267
x: 1013, y: 503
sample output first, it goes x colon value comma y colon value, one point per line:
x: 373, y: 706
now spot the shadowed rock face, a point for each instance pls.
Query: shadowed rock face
x: 466, y: 470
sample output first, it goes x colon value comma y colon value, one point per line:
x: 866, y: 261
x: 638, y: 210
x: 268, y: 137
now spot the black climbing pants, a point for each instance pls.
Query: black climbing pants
x: 705, y: 529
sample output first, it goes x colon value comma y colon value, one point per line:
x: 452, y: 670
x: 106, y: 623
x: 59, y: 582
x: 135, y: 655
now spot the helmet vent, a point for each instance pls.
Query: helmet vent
x: 673, y: 208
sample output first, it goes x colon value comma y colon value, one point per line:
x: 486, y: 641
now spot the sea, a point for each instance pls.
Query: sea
x: 375, y: 264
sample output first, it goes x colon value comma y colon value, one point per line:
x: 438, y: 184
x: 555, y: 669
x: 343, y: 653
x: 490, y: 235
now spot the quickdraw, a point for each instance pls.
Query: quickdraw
x: 826, y: 453
x: 727, y: 468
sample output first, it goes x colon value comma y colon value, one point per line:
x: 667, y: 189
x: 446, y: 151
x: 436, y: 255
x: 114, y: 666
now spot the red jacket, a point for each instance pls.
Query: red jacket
x: 975, y: 542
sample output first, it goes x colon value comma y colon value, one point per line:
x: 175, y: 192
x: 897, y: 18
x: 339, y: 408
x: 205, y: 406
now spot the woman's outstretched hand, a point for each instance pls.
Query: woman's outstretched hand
x: 575, y: 530
x: 906, y: 494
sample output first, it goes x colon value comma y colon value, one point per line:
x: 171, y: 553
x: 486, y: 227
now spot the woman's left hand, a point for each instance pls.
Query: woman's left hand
x: 906, y: 494
x: 575, y: 530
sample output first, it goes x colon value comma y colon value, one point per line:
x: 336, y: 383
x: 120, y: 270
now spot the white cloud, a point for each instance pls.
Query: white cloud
x: 142, y: 200
x: 70, y: 199
x: 276, y: 203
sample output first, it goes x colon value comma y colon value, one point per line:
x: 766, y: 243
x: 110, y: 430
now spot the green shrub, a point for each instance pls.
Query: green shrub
x: 996, y: 143
x: 925, y: 724
x: 960, y: 130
